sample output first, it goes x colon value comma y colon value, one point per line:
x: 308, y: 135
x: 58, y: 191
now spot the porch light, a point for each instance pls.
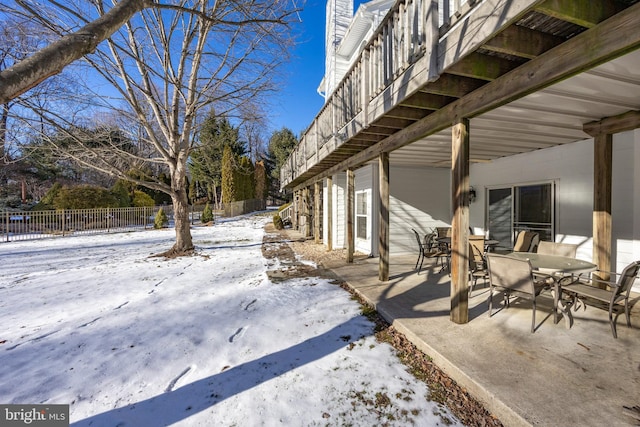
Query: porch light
x: 472, y: 195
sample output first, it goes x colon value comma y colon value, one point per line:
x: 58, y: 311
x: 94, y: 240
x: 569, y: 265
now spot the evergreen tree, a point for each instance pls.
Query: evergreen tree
x: 261, y: 180
x: 244, y: 179
x: 205, y: 161
x: 228, y: 184
x: 281, y: 144
x: 123, y: 191
x: 207, y: 214
x: 160, y: 220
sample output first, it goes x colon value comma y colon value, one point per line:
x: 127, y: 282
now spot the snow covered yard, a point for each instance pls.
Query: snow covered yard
x: 131, y: 340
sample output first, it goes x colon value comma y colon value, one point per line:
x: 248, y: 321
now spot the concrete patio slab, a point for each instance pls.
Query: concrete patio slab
x: 556, y: 376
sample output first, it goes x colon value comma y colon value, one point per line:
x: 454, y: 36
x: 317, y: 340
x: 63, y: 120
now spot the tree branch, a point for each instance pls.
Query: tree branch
x: 52, y: 59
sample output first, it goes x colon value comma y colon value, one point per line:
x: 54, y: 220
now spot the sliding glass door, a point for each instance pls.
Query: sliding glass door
x: 500, y: 215
x: 521, y: 207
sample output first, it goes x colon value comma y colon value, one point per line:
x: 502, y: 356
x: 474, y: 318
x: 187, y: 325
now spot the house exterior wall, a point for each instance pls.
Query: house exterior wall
x: 625, y: 207
x: 339, y: 211
x: 366, y: 179
x: 419, y: 199
x: 338, y: 18
x: 570, y: 166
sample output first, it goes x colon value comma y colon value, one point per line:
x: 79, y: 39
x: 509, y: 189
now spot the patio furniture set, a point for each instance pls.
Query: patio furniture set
x: 534, y: 267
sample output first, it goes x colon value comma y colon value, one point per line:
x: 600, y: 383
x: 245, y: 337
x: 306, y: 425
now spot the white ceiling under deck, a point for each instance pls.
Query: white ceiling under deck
x: 552, y: 116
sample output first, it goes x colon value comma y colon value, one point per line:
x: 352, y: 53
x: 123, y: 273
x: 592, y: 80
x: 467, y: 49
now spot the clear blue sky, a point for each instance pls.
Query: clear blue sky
x: 299, y: 102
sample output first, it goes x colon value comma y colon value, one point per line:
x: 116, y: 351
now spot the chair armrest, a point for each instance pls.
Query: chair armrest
x: 595, y: 280
x: 610, y: 273
x: 543, y: 275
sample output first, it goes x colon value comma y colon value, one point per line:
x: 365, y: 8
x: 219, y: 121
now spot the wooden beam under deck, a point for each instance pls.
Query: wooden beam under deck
x: 402, y: 112
x: 393, y: 123
x: 586, y: 13
x: 453, y: 86
x: 427, y: 101
x: 482, y: 67
x: 523, y: 42
x: 615, y: 124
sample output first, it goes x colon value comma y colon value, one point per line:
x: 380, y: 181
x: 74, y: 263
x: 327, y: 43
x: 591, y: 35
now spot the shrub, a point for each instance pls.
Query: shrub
x: 207, y: 214
x: 47, y: 201
x: 142, y: 199
x: 277, y: 222
x: 161, y: 219
x: 85, y: 197
x: 121, y: 190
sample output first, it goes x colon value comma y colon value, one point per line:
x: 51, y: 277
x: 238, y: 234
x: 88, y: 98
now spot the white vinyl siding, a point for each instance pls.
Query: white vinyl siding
x: 366, y: 183
x: 420, y: 198
x: 339, y: 223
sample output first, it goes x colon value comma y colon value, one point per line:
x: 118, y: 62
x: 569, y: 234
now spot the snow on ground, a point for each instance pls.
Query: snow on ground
x: 131, y: 340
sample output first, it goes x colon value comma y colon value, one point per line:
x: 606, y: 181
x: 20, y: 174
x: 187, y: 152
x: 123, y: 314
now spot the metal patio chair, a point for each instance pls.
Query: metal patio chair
x: 526, y: 241
x: 514, y: 277
x: 477, y: 261
x: 605, y: 294
x: 560, y: 249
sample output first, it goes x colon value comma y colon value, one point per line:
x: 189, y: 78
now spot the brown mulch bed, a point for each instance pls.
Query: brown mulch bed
x: 278, y: 244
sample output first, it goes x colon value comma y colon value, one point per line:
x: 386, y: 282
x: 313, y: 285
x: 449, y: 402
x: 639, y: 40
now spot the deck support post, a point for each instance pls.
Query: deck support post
x: 350, y: 214
x: 306, y: 209
x: 296, y: 209
x: 316, y: 212
x: 330, y: 213
x: 460, y: 222
x: 383, y: 169
x: 602, y: 173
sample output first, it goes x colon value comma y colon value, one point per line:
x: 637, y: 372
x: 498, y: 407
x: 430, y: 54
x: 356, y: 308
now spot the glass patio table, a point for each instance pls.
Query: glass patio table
x: 558, y: 267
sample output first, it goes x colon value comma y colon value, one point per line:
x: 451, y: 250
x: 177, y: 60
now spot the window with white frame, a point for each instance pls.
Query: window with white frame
x: 361, y: 214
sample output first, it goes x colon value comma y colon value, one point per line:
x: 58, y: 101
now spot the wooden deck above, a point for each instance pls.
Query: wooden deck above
x: 528, y: 75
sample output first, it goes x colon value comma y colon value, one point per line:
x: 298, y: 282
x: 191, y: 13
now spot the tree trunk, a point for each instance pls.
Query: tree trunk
x: 184, y: 243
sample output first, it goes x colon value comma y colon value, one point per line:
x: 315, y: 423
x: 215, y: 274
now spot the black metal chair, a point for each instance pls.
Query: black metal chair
x: 421, y: 250
x: 477, y: 261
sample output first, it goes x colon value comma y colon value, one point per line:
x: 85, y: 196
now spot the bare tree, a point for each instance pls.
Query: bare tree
x: 165, y: 66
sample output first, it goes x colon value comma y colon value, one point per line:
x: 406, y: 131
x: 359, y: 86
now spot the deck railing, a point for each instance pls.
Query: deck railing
x: 410, y: 30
